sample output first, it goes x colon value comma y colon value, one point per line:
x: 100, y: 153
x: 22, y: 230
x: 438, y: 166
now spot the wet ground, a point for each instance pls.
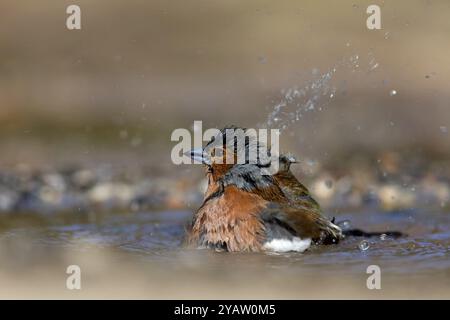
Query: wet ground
x: 140, y: 255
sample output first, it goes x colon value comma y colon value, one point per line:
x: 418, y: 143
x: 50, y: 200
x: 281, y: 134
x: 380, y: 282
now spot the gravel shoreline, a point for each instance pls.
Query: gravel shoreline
x: 102, y: 188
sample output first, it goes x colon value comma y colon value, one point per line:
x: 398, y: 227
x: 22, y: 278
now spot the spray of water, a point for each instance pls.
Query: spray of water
x: 314, y: 96
x: 295, y: 101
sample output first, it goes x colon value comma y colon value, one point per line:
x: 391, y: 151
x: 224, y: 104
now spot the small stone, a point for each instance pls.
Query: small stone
x: 83, y: 178
x: 8, y: 200
x: 117, y: 193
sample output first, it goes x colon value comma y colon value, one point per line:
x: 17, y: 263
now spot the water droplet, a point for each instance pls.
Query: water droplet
x: 364, y: 245
x: 344, y: 225
x: 443, y: 129
x: 393, y: 93
x: 374, y: 66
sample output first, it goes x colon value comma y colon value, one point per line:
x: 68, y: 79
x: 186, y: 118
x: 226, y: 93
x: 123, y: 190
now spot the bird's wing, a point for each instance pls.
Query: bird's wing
x: 302, y: 222
x: 289, y: 203
x: 295, y: 191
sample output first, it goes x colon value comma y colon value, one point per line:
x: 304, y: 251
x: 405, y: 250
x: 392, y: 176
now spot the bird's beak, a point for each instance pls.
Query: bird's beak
x: 292, y: 159
x: 198, y: 156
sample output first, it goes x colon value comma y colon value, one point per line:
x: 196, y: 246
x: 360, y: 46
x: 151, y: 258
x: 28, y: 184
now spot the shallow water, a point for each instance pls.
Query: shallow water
x: 153, y: 241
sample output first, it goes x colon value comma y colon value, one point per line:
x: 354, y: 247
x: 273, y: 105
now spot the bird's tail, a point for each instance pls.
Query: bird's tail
x: 347, y: 232
x: 331, y: 233
x: 365, y: 234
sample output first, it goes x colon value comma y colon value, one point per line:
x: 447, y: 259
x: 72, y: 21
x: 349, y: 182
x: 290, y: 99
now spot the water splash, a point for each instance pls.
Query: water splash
x: 344, y: 225
x: 314, y: 96
x: 373, y: 64
x: 295, y: 101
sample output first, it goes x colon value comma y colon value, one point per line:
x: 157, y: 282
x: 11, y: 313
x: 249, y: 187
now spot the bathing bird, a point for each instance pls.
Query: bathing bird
x: 245, y: 209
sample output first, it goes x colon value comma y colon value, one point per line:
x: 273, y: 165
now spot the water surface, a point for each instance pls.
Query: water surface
x: 148, y: 245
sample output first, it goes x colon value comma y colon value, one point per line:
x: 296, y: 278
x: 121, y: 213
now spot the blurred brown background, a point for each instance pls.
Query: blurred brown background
x: 86, y: 118
x: 139, y: 69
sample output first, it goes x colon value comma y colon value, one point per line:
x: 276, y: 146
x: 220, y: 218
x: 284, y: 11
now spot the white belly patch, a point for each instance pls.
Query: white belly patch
x: 286, y: 245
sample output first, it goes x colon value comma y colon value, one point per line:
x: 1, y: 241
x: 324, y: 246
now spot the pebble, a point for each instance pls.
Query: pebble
x: 8, y: 200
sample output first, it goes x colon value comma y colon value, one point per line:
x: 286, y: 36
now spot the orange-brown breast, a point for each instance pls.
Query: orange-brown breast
x: 230, y: 219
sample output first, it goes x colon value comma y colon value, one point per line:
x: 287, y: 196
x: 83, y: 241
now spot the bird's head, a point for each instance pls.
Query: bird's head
x: 230, y: 147
x: 285, y: 161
